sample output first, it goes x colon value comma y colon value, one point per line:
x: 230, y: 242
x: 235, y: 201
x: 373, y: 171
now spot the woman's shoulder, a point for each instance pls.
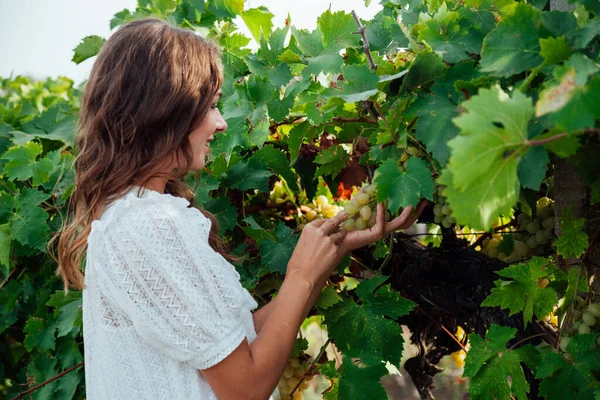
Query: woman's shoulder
x: 141, y: 205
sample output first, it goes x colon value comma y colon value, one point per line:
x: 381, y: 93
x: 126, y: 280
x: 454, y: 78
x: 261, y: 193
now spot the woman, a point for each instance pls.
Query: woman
x: 165, y: 316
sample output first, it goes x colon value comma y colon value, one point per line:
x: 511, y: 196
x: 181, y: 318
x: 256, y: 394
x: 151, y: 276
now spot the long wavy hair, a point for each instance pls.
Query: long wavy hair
x: 151, y: 85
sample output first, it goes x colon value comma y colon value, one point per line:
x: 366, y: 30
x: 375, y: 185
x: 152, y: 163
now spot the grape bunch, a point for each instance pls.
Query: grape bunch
x: 320, y: 208
x: 586, y: 319
x: 442, y: 213
x: 294, y: 372
x: 535, y: 234
x: 362, y: 210
x: 279, y: 194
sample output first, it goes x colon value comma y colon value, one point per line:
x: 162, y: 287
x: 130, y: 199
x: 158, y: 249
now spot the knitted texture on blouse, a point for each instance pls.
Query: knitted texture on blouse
x: 159, y: 302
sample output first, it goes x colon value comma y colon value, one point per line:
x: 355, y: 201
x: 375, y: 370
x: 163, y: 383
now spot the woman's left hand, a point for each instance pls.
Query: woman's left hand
x: 356, y: 239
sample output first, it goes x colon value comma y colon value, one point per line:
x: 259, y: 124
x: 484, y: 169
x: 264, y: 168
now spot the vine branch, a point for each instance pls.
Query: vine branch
x: 36, y: 387
x: 363, y: 32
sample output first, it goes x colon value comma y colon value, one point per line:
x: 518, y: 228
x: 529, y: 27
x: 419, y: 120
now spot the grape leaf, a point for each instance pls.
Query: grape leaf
x: 67, y: 386
x: 523, y: 293
x: 259, y: 22
x: 573, y: 241
x: 277, y: 161
x: 494, y: 125
x: 576, y: 283
x: 300, y: 346
x: 404, y: 188
x: 299, y: 133
x: 361, y: 330
x: 554, y: 50
x: 29, y: 222
x: 327, y: 298
x: 532, y: 168
x: 559, y: 22
x: 5, y: 247
x: 22, y: 164
x: 384, y: 33
x: 276, y: 255
x: 252, y: 174
x: 362, y: 382
x: 423, y: 71
x: 450, y: 36
x: 489, y: 364
x: 514, y: 45
x: 89, y: 47
x: 435, y: 127
x: 224, y: 211
x: 39, y: 334
x: 562, y: 379
x: 68, y: 311
x: 331, y: 161
x: 40, y: 368
x: 587, y: 33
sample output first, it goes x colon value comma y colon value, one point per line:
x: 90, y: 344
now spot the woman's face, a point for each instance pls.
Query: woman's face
x: 201, y: 137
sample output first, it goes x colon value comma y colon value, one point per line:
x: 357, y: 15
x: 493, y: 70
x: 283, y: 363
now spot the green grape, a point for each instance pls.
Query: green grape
x: 493, y: 243
x: 450, y: 219
x: 370, y: 189
x: 373, y: 220
x: 362, y: 199
x: 544, y: 202
x: 288, y: 372
x: 351, y: 208
x: 437, y: 219
x: 349, y: 224
x: 576, y: 315
x: 544, y: 213
x: 521, y: 249
x: 532, y: 243
x: 520, y: 236
x: 548, y: 223
x: 493, y: 252
x: 540, y: 236
x: 564, y: 342
x: 446, y: 223
x: 365, y: 213
x: 522, y: 217
x: 588, y: 318
x: 579, y: 300
x: 512, y: 258
x: 584, y: 329
x: 594, y: 309
x: 294, y: 362
x: 437, y: 210
x: 360, y: 224
x: 322, y: 200
x: 404, y: 157
x: 533, y: 227
x: 446, y: 209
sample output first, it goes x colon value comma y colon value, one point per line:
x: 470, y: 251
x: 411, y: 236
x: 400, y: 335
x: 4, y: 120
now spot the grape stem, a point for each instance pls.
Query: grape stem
x: 36, y: 387
x: 530, y: 337
x: 442, y: 327
x: 8, y: 278
x: 318, y: 357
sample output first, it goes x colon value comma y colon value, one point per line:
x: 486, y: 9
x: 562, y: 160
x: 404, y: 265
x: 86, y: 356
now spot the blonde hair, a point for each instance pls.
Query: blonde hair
x: 151, y: 85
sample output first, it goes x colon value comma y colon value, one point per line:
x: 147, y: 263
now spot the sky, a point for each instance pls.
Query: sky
x: 38, y: 36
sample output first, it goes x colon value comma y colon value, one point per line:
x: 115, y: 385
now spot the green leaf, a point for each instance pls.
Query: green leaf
x: 205, y: 185
x: 298, y: 134
x: 300, y: 346
x: 29, y: 222
x: 554, y: 50
x: 576, y: 283
x: 331, y: 161
x: 514, y: 45
x: 523, y: 293
x: 276, y: 255
x: 327, y: 298
x: 89, y: 47
x: 426, y: 68
x: 562, y: 379
x: 22, y: 164
x: 489, y: 364
x: 67, y: 386
x: 276, y: 160
x: 532, y: 168
x: 41, y: 368
x: 5, y: 245
x: 587, y: 33
x: 435, y: 127
x: 404, y: 188
x: 450, y: 36
x: 253, y: 174
x: 362, y: 382
x: 361, y: 330
x: 384, y: 34
x: 361, y: 83
x: 68, y: 310
x: 572, y: 243
x: 259, y: 22
x: 39, y: 334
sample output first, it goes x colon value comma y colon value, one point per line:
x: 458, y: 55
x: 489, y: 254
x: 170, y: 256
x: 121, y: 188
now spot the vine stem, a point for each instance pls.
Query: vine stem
x: 318, y: 357
x: 8, y: 278
x: 366, y: 48
x: 36, y: 387
x: 560, y: 136
x: 530, y: 78
x: 462, y: 346
x: 530, y: 337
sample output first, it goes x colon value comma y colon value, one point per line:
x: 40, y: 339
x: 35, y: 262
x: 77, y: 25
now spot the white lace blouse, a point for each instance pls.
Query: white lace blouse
x: 159, y: 302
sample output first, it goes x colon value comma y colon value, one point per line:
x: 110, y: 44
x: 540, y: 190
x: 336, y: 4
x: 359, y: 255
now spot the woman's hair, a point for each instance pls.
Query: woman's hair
x: 150, y: 86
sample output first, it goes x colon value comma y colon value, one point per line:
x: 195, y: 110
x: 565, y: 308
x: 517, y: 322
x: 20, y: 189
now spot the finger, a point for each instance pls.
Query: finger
x: 416, y: 214
x: 338, y: 236
x: 380, y: 221
x: 332, y: 223
x: 400, y: 220
x: 317, y: 222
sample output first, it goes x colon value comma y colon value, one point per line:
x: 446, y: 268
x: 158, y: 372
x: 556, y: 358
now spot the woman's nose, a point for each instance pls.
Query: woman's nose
x: 221, y: 124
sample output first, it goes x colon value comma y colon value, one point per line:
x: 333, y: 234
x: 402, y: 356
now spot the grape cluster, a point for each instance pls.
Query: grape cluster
x: 442, y: 213
x: 585, y: 320
x: 294, y: 372
x: 279, y: 194
x: 320, y: 208
x: 535, y: 233
x: 362, y: 210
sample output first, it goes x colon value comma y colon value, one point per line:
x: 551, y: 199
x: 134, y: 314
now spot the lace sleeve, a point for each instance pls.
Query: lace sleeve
x: 181, y: 296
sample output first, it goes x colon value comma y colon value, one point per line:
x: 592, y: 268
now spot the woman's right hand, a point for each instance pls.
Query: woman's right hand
x: 318, y: 250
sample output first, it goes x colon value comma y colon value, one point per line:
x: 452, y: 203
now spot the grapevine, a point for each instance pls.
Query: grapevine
x: 488, y: 111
